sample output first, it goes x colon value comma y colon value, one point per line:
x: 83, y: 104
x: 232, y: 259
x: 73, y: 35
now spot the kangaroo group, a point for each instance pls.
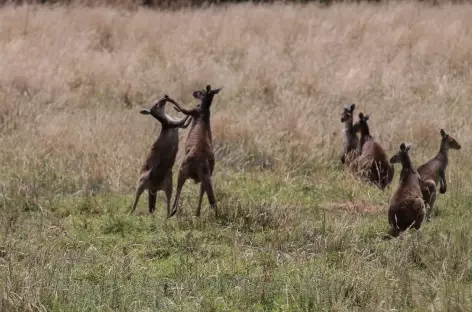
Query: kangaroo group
x: 413, y: 200
x: 411, y: 203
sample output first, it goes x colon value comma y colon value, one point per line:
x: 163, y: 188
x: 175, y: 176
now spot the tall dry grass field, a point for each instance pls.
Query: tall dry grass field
x: 298, y: 233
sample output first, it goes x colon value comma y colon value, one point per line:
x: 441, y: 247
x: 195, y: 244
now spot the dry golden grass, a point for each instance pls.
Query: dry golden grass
x: 286, y: 71
x: 72, y: 82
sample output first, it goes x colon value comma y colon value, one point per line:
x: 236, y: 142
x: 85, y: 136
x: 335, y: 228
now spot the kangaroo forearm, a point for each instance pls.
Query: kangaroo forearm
x: 179, y: 108
x: 187, y: 122
x: 442, y: 182
x: 443, y: 186
x: 181, y: 123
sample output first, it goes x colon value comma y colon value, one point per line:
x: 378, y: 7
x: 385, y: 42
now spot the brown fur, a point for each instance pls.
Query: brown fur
x: 156, y: 172
x: 350, y: 139
x: 199, y: 160
x: 435, y: 169
x: 428, y: 189
x: 406, y: 207
x: 372, y: 163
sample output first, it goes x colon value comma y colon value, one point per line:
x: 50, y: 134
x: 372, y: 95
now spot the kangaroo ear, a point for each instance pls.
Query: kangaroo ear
x: 208, y: 88
x: 408, y: 147
x: 402, y: 147
x: 443, y: 133
x: 361, y: 116
x: 353, y: 106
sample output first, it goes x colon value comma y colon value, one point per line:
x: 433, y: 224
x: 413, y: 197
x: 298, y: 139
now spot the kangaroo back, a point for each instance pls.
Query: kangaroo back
x: 406, y: 208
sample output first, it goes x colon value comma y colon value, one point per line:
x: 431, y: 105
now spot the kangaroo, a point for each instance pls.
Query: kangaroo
x: 156, y: 172
x: 350, y: 139
x: 372, y: 162
x: 435, y: 169
x: 406, y: 206
x: 199, y: 160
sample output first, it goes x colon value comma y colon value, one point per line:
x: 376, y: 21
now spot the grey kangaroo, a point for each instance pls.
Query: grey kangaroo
x: 156, y: 172
x: 199, y: 160
x: 350, y: 138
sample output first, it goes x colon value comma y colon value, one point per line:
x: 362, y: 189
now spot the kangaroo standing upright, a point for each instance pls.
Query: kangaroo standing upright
x: 435, y: 169
x: 199, y: 160
x: 156, y: 172
x: 350, y: 139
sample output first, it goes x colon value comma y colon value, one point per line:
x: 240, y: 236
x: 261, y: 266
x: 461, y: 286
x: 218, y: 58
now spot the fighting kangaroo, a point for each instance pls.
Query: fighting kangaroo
x: 199, y: 160
x: 156, y: 172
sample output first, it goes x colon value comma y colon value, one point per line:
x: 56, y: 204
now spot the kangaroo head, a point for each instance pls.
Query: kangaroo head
x: 157, y: 109
x: 348, y: 113
x: 448, y: 141
x: 402, y: 155
x: 362, y: 124
x: 363, y: 118
x: 206, y: 96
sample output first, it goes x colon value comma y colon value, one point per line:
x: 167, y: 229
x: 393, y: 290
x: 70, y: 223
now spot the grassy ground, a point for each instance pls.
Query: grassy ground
x: 296, y: 232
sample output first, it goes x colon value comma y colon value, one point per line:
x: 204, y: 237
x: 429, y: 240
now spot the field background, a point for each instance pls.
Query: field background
x: 297, y: 233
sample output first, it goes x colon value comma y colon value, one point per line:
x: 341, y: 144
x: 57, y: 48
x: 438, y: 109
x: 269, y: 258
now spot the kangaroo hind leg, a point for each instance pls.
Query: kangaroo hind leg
x: 139, y: 191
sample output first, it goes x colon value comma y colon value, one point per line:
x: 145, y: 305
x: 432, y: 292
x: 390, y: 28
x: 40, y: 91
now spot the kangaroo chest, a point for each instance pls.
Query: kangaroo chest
x: 164, y: 150
x: 199, y: 137
x: 350, y: 141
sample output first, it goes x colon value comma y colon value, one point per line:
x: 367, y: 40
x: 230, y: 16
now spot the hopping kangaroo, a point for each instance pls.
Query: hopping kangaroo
x: 435, y: 169
x: 372, y: 163
x: 406, y: 206
x: 199, y: 160
x: 156, y: 172
x: 350, y: 139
